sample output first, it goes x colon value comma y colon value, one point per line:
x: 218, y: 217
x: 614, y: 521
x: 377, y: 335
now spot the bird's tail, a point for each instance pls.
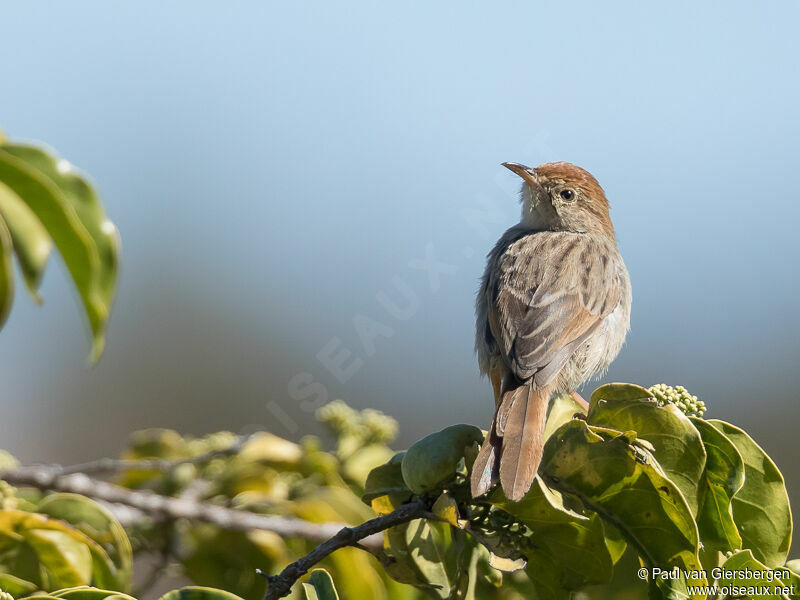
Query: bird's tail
x: 513, y: 447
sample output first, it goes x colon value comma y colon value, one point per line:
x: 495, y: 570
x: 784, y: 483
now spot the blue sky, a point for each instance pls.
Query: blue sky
x: 273, y: 167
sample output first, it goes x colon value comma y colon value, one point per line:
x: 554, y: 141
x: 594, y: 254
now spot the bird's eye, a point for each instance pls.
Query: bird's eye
x: 567, y: 194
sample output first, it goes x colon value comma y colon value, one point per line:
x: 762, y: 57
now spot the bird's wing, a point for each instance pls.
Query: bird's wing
x: 548, y: 294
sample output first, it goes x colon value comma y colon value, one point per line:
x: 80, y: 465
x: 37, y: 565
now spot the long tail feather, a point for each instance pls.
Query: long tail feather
x: 523, y: 439
x: 484, y: 471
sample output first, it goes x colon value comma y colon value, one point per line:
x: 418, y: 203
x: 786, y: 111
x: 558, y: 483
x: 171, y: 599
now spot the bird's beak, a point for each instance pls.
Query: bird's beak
x: 529, y: 174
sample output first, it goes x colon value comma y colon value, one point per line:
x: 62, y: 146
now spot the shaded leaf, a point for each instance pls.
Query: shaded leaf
x: 723, y: 478
x: 16, y: 586
x: 199, y: 593
x: 320, y: 586
x: 623, y: 485
x: 761, y: 507
x: 743, y: 570
x: 544, y: 575
x: 387, y: 479
x: 574, y: 542
x: 6, y: 273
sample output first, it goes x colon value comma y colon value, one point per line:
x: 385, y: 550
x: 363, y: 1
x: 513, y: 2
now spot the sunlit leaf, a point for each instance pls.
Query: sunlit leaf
x: 68, y: 561
x: 562, y: 408
x: 81, y: 195
x: 31, y: 544
x: 74, y: 243
x: 678, y: 447
x: 32, y: 243
x: 95, y: 521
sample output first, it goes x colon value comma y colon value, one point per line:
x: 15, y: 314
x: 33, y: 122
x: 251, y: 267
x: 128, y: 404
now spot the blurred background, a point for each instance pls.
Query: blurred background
x: 306, y: 194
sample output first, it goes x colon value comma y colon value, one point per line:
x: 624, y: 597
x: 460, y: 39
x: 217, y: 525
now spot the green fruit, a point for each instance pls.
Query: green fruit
x: 434, y: 459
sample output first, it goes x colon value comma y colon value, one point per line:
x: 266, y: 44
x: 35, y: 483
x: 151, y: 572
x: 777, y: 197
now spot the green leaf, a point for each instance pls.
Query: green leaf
x: 195, y: 592
x: 387, y: 480
x: 562, y: 408
x: 544, y: 575
x: 624, y: 485
x: 761, y: 507
x: 6, y: 272
x: 418, y: 556
x: 320, y: 586
x: 723, y: 478
x: 81, y: 195
x: 89, y: 593
x: 678, y: 446
x: 73, y: 241
x: 33, y: 541
x: 89, y: 517
x: 576, y: 543
x: 743, y: 570
x: 16, y: 586
x: 68, y: 561
x: 433, y: 460
x: 32, y: 243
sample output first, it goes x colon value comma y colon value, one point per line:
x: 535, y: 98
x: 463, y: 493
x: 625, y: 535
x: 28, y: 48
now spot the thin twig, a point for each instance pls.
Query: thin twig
x: 113, y: 465
x: 279, y: 586
x: 156, y: 505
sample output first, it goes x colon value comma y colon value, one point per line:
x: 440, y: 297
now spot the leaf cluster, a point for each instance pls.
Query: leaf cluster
x: 44, y: 202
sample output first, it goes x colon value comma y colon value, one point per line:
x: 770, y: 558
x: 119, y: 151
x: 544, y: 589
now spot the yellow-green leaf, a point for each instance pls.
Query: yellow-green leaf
x: 6, y: 272
x: 68, y: 561
x: 74, y: 243
x: 81, y: 195
x: 32, y: 243
x: 89, y: 517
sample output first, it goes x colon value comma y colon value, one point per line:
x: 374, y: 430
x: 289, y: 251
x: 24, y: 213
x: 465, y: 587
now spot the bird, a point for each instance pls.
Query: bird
x: 552, y: 311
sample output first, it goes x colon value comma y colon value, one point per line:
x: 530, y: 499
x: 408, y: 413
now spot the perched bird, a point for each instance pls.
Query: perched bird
x: 553, y: 310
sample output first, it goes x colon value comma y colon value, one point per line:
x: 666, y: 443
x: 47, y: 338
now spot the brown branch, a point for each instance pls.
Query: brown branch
x: 150, y: 503
x: 279, y: 586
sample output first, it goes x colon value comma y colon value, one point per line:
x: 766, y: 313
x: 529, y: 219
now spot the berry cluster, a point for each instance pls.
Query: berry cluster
x: 680, y: 397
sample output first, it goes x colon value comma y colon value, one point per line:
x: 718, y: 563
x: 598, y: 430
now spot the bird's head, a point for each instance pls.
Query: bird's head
x: 560, y: 196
